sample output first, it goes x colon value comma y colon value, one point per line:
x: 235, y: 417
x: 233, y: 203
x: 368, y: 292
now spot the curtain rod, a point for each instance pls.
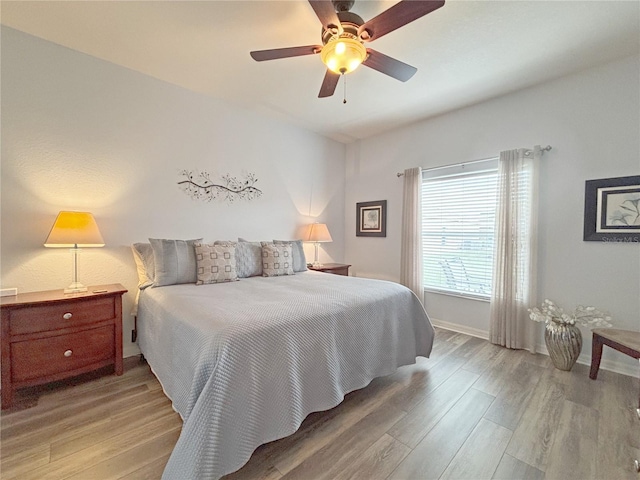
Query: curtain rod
x: 542, y: 150
x: 527, y: 153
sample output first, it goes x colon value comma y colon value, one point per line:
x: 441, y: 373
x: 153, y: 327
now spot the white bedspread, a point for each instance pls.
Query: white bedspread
x: 245, y: 362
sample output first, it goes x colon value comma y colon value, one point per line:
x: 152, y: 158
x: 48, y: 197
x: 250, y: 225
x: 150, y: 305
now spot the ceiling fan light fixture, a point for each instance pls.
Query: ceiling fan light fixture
x: 343, y: 55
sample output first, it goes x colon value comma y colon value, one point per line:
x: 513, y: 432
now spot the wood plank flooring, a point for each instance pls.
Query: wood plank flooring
x: 471, y: 411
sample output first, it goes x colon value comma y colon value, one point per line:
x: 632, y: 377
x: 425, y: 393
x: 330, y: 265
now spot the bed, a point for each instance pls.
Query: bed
x: 245, y: 362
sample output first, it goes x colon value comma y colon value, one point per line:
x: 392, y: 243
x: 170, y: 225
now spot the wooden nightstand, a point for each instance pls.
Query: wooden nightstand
x: 335, y: 268
x: 49, y: 336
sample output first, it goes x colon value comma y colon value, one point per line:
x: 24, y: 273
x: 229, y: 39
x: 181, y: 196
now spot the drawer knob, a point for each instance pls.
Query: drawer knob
x: 67, y: 315
x: 68, y: 353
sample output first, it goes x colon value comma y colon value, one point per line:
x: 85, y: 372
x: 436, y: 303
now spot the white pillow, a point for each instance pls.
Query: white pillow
x: 143, y: 256
x: 175, y: 261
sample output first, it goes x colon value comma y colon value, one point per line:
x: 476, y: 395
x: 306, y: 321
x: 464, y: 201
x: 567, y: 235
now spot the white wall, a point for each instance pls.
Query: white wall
x: 80, y: 133
x: 592, y: 120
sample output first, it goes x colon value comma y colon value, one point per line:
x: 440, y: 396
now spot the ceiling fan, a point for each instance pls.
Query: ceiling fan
x: 343, y: 37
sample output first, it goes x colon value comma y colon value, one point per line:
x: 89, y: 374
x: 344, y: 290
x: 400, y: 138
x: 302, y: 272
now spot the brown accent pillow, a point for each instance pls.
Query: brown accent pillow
x: 277, y: 259
x: 215, y: 263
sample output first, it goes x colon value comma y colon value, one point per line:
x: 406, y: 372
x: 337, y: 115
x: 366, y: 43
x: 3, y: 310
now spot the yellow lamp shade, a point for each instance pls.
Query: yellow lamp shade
x: 318, y: 232
x: 74, y: 230
x: 343, y: 55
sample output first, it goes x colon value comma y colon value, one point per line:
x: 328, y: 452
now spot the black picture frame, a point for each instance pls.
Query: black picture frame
x: 371, y: 219
x: 612, y: 210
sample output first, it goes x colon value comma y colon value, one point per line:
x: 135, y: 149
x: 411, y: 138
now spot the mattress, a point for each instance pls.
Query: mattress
x: 245, y: 362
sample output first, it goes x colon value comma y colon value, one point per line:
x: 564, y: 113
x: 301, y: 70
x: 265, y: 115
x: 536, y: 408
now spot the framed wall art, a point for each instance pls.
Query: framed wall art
x: 612, y: 210
x: 371, y: 219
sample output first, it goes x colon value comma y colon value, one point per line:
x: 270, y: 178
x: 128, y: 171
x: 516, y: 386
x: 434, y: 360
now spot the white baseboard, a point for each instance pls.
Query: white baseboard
x: 584, y: 359
x: 455, y: 327
x: 130, y: 351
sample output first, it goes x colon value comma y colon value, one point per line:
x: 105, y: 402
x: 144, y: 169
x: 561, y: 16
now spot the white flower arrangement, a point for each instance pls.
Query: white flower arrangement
x: 550, y: 313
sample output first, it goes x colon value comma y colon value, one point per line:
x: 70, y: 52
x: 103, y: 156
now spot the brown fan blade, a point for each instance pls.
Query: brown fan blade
x: 326, y: 12
x: 397, y: 16
x: 389, y: 66
x: 275, y: 53
x: 329, y: 84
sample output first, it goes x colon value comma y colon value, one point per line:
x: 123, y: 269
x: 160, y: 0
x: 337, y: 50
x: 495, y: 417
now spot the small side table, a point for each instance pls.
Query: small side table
x: 50, y: 336
x: 335, y: 268
x: 625, y: 341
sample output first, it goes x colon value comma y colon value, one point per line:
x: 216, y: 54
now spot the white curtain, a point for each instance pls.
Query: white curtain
x: 514, y: 271
x: 411, y: 247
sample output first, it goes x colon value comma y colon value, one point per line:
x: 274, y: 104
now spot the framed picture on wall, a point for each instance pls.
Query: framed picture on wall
x: 612, y: 210
x: 371, y: 219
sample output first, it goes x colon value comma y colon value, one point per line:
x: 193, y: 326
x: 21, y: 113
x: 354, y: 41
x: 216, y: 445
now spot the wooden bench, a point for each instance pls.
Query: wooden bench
x: 625, y: 341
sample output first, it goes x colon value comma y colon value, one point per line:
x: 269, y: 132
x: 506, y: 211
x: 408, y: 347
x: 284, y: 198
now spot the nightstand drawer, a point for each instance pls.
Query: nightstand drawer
x: 344, y: 271
x: 61, y: 315
x: 335, y: 268
x: 63, y: 353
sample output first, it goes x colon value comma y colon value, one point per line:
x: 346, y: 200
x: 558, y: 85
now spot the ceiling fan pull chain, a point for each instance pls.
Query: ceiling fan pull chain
x: 344, y: 80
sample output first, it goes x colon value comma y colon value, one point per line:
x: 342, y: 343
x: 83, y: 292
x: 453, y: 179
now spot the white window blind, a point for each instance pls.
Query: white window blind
x: 458, y: 220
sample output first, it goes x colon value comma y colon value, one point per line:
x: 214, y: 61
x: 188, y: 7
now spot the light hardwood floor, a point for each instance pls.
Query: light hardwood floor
x: 471, y: 411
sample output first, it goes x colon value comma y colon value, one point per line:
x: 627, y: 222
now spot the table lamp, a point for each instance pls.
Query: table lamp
x: 74, y: 230
x: 318, y: 233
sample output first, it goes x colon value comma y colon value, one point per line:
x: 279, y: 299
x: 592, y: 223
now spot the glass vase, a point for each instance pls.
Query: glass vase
x: 564, y: 344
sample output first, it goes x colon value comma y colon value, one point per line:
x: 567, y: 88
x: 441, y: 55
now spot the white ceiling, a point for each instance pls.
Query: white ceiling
x: 465, y: 52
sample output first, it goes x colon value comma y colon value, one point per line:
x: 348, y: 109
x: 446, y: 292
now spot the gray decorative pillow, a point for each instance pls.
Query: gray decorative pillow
x: 277, y: 259
x: 175, y: 261
x: 248, y: 258
x: 299, y: 259
x: 216, y: 263
x: 143, y: 256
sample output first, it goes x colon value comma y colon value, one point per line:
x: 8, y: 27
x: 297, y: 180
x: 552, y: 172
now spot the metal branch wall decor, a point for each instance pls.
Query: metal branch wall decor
x: 199, y: 186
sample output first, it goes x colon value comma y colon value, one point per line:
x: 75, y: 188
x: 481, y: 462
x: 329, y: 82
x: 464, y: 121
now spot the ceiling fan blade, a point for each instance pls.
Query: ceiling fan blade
x: 326, y: 12
x: 275, y: 53
x: 397, y: 16
x: 389, y: 66
x: 329, y: 84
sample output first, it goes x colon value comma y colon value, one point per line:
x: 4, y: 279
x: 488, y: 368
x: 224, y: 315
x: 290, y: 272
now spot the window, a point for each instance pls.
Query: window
x: 458, y: 219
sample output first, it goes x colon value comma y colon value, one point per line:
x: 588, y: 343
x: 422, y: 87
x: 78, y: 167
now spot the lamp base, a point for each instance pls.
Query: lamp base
x: 75, y: 287
x: 316, y: 263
